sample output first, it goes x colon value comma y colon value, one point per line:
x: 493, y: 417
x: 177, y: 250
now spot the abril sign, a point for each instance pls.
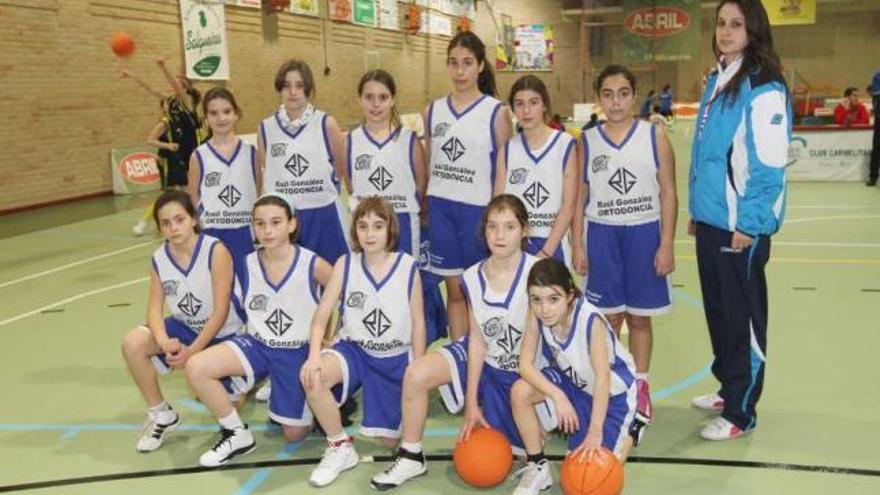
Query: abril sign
x: 657, y: 22
x: 660, y: 30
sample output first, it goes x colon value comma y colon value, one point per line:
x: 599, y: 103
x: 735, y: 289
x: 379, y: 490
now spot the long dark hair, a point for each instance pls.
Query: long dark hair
x: 548, y: 272
x: 179, y: 197
x: 218, y: 93
x: 469, y: 40
x: 759, y: 57
x: 532, y: 83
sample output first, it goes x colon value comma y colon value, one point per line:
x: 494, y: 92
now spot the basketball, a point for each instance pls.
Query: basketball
x: 122, y: 44
x: 484, y: 459
x: 601, y: 475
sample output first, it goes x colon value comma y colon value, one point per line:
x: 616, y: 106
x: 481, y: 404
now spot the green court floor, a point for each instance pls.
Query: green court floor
x: 73, y: 281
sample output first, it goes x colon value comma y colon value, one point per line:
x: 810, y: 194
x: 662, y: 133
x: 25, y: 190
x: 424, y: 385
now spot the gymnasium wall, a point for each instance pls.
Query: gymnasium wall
x: 65, y: 106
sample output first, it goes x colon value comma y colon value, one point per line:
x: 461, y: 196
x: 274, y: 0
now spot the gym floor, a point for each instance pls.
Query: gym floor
x: 73, y: 281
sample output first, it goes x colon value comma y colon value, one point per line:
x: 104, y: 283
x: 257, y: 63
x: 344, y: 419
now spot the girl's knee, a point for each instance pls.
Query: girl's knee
x: 134, y: 343
x: 638, y: 323
x: 521, y: 392
x: 296, y: 433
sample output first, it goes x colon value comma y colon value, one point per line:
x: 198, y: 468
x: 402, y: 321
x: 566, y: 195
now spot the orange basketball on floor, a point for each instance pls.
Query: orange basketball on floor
x: 122, y: 44
x: 601, y: 475
x: 484, y: 459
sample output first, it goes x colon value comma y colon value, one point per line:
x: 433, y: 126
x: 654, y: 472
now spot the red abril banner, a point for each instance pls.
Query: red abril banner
x: 660, y: 30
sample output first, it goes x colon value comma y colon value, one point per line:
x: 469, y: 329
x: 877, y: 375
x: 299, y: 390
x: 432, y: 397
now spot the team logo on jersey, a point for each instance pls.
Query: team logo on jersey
x: 622, y: 181
x: 169, y: 287
x: 575, y: 378
x: 424, y: 254
x: 536, y: 195
x: 600, y: 163
x: 356, y: 300
x: 229, y: 195
x: 381, y: 178
x: 453, y: 149
x: 189, y: 305
x: 440, y: 130
x: 278, y: 149
x: 518, y: 176
x: 258, y: 302
x: 376, y: 323
x: 278, y: 322
x: 509, y: 340
x: 213, y: 179
x: 297, y: 165
x: 362, y: 162
x: 493, y: 326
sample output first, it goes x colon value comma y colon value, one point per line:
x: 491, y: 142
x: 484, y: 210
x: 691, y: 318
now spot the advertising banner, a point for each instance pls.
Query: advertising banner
x: 204, y: 39
x: 135, y: 169
x: 660, y: 30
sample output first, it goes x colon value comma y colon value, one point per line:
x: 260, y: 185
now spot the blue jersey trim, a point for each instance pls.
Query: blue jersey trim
x: 510, y: 291
x: 378, y: 285
x: 222, y: 158
x: 565, y: 156
x: 192, y: 260
x: 467, y: 109
x: 287, y: 274
x: 313, y: 283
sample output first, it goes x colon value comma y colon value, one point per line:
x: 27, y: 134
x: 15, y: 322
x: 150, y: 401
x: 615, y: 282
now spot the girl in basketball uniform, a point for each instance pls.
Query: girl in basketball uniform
x: 589, y: 386
x: 629, y: 178
x: 384, y: 159
x: 463, y: 133
x: 538, y: 166
x: 279, y: 294
x: 382, y: 330
x: 224, y: 176
x: 297, y: 150
x: 476, y: 372
x: 192, y: 280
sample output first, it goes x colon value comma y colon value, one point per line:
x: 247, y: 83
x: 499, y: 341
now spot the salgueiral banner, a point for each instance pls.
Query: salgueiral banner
x: 206, y: 54
x: 660, y: 30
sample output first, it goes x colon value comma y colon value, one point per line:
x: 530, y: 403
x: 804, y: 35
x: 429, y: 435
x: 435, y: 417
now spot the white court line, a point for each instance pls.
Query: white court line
x: 73, y: 298
x: 839, y: 217
x: 73, y: 264
x: 872, y: 245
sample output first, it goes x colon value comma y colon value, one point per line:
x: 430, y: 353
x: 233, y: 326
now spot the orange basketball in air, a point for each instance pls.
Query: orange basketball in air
x: 601, y: 475
x: 484, y: 459
x: 122, y: 44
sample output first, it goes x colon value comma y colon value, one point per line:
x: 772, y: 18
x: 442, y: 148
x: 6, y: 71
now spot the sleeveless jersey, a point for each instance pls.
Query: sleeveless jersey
x: 189, y: 296
x: 299, y: 166
x: 573, y: 356
x: 502, y: 322
x: 376, y: 314
x: 280, y: 316
x: 624, y: 189
x: 537, y: 180
x: 462, y: 150
x: 228, y: 188
x: 383, y: 169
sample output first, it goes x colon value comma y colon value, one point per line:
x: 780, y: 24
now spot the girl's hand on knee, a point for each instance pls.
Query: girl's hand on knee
x: 310, y: 373
x: 568, y: 418
x: 170, y: 346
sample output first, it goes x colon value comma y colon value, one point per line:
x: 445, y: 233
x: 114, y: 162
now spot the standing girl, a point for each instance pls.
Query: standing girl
x: 589, y: 385
x: 499, y: 303
x: 279, y: 293
x: 297, y: 152
x: 380, y: 335
x: 666, y: 101
x: 384, y: 159
x: 538, y: 167
x: 737, y: 201
x: 463, y: 133
x: 192, y: 280
x: 224, y: 177
x: 629, y: 178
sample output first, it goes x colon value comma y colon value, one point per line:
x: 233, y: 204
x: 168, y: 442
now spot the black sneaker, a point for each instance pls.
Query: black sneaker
x: 637, y: 428
x: 406, y: 466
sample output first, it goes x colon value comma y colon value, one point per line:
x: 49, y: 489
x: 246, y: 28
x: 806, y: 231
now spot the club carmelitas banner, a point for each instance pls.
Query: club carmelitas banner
x: 660, y: 30
x: 204, y: 39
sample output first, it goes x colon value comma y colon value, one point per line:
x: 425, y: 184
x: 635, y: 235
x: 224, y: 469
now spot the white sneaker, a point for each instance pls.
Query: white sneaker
x: 534, y: 478
x: 337, y: 458
x: 232, y: 443
x: 263, y: 392
x: 720, y: 429
x: 709, y: 402
x: 140, y: 228
x: 406, y: 466
x: 154, y: 430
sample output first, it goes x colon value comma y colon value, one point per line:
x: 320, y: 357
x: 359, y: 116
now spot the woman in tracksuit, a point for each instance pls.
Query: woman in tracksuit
x: 737, y: 201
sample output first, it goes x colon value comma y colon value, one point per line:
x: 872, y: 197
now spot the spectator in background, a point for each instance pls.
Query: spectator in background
x: 850, y: 111
x: 556, y: 122
x: 594, y: 121
x: 666, y: 101
x: 874, y: 91
x: 657, y: 117
x: 647, y: 105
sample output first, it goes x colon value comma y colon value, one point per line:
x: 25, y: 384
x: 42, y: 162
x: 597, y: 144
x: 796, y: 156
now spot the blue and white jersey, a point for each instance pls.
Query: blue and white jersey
x: 376, y: 313
x: 536, y: 177
x: 280, y: 316
x: 227, y: 187
x: 740, y: 150
x: 384, y: 169
x: 299, y: 165
x: 624, y: 189
x: 572, y: 357
x: 462, y: 150
x: 189, y: 295
x: 501, y: 316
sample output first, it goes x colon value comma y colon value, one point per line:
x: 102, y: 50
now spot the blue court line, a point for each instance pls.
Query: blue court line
x: 263, y: 474
x: 193, y: 405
